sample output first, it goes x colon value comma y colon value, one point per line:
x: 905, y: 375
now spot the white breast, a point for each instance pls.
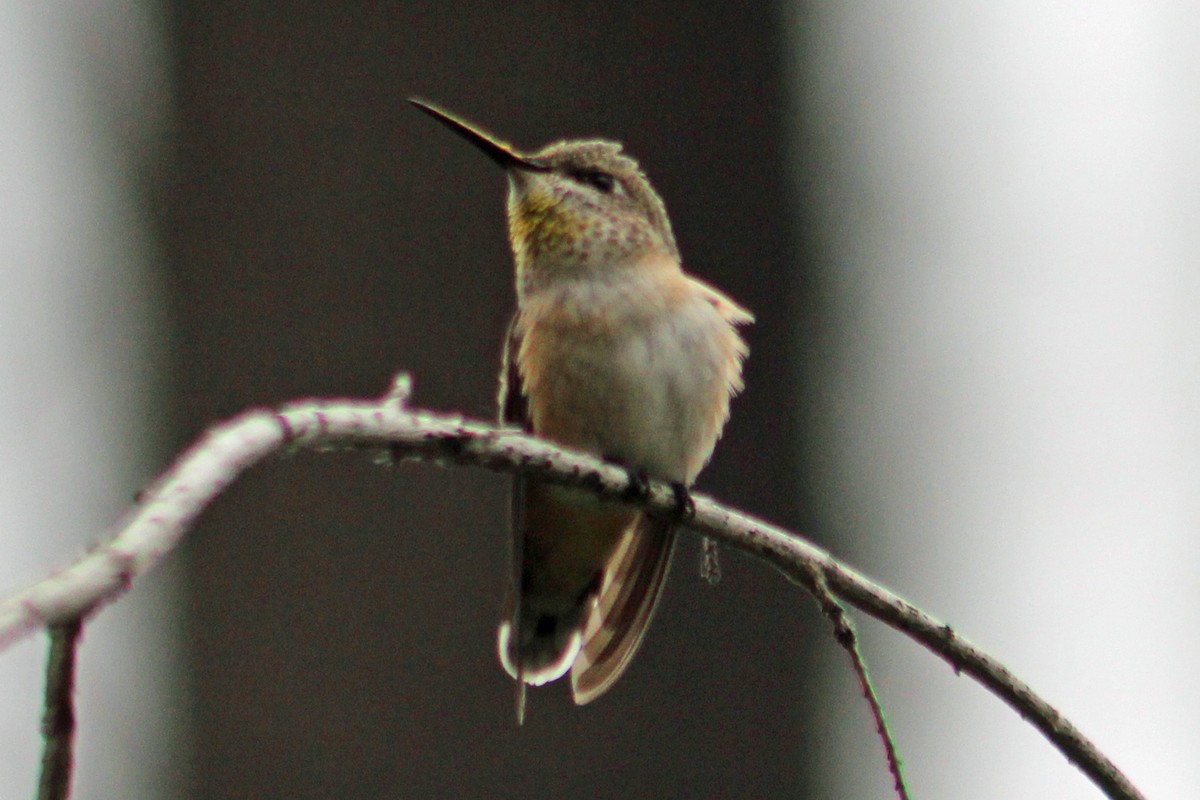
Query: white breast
x: 640, y: 370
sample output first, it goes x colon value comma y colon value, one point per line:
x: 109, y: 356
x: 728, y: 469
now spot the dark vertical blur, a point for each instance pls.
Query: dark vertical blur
x: 324, y: 235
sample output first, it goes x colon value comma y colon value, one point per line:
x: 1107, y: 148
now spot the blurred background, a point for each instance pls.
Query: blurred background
x: 968, y: 232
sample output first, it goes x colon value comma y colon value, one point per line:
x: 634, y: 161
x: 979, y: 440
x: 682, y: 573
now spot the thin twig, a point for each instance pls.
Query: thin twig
x: 155, y: 525
x: 58, y: 723
x: 844, y: 633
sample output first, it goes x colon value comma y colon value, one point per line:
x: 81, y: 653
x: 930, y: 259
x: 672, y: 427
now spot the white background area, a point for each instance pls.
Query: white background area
x: 82, y: 99
x: 1008, y: 197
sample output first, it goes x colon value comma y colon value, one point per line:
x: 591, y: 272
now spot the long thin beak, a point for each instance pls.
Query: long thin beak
x: 494, y: 149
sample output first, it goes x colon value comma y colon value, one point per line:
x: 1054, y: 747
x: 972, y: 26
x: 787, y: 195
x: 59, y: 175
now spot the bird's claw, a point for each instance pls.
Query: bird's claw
x: 638, y: 487
x: 685, y: 506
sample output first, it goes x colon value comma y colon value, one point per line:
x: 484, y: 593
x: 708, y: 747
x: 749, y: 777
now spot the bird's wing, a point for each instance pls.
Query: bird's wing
x: 514, y: 411
x: 632, y: 585
x: 514, y: 406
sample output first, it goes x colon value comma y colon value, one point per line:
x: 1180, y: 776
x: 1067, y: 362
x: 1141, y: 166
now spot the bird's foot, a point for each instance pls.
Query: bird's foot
x: 638, y: 487
x: 685, y: 507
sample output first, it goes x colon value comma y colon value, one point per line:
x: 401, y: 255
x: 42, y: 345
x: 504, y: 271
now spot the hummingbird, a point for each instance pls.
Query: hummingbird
x: 615, y: 351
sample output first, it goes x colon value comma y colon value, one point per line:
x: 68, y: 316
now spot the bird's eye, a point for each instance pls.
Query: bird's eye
x: 597, y: 179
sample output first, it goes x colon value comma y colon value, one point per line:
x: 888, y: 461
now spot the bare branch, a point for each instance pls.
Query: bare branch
x: 58, y: 724
x: 157, y: 523
x: 845, y: 635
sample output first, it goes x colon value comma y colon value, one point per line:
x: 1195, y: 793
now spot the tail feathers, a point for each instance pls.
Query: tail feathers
x: 541, y: 659
x: 618, y: 620
x: 547, y: 651
x: 595, y: 635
